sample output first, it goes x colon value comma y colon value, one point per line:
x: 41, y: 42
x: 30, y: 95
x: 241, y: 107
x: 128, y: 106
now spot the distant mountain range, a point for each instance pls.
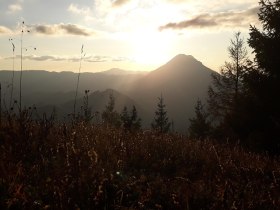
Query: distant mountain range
x: 181, y: 82
x: 116, y: 71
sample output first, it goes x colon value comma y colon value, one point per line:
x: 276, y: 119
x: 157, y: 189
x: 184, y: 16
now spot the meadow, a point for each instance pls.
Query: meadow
x: 46, y: 164
x: 50, y: 165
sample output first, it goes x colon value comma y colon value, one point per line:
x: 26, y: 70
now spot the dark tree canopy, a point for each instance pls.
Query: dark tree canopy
x: 135, y: 120
x: 200, y: 126
x: 130, y: 122
x: 227, y: 87
x: 161, y: 122
x: 263, y: 79
x: 244, y: 98
x: 86, y: 109
x: 266, y: 43
x: 109, y: 115
x: 125, y: 118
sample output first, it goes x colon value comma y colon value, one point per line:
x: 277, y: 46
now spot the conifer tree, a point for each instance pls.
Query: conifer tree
x: 110, y: 116
x: 130, y: 122
x: 263, y: 79
x: 266, y: 43
x: 86, y: 109
x: 125, y: 119
x: 227, y: 87
x: 135, y: 120
x: 161, y: 122
x: 200, y: 126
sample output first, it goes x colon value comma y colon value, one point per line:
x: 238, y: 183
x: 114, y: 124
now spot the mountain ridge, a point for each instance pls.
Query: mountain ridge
x: 117, y: 71
x: 181, y: 81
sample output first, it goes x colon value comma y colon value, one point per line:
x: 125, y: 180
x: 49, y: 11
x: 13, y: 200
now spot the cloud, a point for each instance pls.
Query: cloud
x: 80, y: 11
x: 223, y: 19
x: 199, y: 21
x: 97, y: 58
x: 62, y: 29
x: 39, y: 58
x: 75, y: 30
x: 118, y: 3
x: 44, y: 58
x: 83, y: 11
x: 4, y: 30
x: 13, y: 8
x: 89, y: 58
x: 120, y: 59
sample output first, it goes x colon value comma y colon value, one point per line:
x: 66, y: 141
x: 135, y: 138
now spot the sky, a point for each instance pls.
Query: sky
x: 138, y: 35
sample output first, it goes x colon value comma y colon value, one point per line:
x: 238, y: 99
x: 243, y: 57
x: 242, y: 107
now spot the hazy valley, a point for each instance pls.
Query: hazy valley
x: 181, y: 81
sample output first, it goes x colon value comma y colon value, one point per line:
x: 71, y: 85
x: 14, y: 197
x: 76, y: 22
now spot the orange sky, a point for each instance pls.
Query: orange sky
x: 127, y: 34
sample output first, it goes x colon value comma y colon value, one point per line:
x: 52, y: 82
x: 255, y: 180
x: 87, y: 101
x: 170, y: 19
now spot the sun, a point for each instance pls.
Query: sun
x: 150, y: 47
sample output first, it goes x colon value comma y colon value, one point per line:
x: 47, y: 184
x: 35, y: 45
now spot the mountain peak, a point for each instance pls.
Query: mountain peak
x: 182, y: 58
x: 114, y: 71
x: 181, y: 63
x: 180, y: 67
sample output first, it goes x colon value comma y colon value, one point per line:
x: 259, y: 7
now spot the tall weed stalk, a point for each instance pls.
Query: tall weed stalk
x: 78, y: 80
x: 23, y: 30
x: 20, y: 77
x: 13, y: 75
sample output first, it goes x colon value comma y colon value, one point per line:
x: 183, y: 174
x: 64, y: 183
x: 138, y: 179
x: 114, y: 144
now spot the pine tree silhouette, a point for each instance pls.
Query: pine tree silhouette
x: 161, y: 122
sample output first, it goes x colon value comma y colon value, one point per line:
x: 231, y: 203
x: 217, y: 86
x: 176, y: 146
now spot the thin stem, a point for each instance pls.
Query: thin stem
x: 12, y: 82
x: 78, y: 81
x: 20, y: 78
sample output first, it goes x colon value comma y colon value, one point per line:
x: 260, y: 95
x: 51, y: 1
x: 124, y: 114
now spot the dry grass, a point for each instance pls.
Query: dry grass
x: 93, y: 167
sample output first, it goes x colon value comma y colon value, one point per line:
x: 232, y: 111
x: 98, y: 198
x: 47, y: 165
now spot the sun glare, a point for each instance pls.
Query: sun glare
x: 150, y: 47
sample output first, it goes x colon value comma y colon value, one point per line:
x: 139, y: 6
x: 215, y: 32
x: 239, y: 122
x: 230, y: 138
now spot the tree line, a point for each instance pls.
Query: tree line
x: 128, y: 120
x: 243, y: 100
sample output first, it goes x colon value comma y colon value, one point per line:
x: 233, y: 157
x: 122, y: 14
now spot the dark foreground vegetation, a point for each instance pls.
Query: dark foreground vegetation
x: 243, y: 100
x: 84, y: 166
x: 114, y: 165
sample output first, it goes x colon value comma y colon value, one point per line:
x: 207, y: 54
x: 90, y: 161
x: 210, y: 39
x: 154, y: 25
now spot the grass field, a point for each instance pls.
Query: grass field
x: 57, y: 166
